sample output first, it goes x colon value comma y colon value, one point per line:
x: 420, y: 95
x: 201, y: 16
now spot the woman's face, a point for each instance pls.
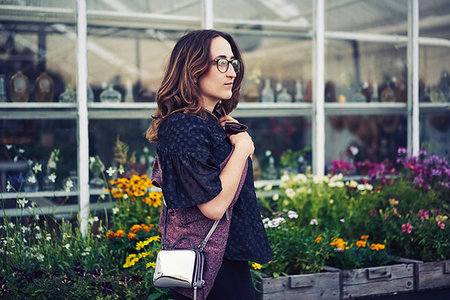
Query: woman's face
x: 214, y: 85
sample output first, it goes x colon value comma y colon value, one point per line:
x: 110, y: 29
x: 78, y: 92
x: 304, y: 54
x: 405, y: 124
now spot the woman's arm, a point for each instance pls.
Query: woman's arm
x: 230, y: 176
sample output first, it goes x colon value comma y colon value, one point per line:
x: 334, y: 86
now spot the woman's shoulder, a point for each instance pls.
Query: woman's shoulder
x: 183, y: 128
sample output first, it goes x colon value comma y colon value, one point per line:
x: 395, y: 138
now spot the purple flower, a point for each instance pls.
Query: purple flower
x: 424, y: 214
x: 402, y: 151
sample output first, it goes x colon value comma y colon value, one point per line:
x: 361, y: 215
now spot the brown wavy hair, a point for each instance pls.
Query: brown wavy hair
x: 190, y: 59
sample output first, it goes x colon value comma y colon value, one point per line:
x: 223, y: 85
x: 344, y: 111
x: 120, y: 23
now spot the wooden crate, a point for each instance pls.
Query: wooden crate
x: 306, y: 287
x: 431, y: 275
x: 389, y: 279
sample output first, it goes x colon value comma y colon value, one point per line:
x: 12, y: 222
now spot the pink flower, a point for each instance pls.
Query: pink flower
x: 424, y: 214
x: 407, y: 228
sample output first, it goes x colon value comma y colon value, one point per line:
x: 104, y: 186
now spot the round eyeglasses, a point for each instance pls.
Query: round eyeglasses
x: 223, y: 64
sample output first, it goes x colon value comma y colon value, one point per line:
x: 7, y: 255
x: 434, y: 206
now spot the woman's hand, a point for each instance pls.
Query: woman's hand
x: 242, y: 143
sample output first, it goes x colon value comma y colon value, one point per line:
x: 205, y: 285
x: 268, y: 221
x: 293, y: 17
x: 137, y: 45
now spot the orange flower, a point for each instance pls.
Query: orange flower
x: 145, y: 227
x: 120, y: 233
x: 131, y: 235
x: 318, y: 239
x: 377, y: 247
x: 364, y: 237
x: 136, y: 228
x: 360, y: 244
x: 110, y: 234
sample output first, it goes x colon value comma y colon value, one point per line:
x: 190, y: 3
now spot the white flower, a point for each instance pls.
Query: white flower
x: 285, y: 177
x: 32, y: 179
x: 361, y: 187
x: 339, y: 184
x: 275, y: 197
x: 40, y: 257
x: 268, y: 187
x: 332, y: 184
x: 92, y: 220
x: 102, y: 196
x: 351, y: 183
x: 22, y: 202
x: 338, y: 249
x: 37, y: 227
x: 9, y: 186
x: 290, y: 193
x: 52, y: 177
x: 37, y: 168
x: 268, y: 153
x: 331, y: 201
x: 21, y: 151
x: 125, y: 196
x: 258, y: 184
x: 300, y: 178
x: 146, y: 150
x: 354, y: 150
x: 110, y: 171
x: 292, y: 214
x: 67, y: 246
x: 15, y: 158
x: 342, y: 220
x: 36, y: 217
x: 121, y: 170
x: 115, y: 210
x: 48, y: 238
x: 69, y: 185
x: 265, y: 220
x: 25, y: 229
x: 314, y: 222
x: 368, y: 187
x: 8, y: 146
x: 276, y: 222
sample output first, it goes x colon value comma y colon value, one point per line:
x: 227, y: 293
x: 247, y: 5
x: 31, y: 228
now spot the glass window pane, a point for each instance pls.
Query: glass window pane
x: 381, y: 16
x: 434, y: 74
x: 26, y: 143
x: 273, y: 64
x: 286, y: 139
x: 293, y: 12
x: 433, y: 19
x: 364, y: 137
x: 365, y: 72
x: 435, y: 132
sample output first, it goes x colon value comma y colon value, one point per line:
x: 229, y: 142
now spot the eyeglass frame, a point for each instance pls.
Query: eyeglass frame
x: 229, y: 63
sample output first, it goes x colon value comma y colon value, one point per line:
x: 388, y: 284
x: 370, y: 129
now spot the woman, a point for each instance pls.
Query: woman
x: 204, y: 173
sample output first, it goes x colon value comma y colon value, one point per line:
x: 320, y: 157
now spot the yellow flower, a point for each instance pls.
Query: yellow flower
x: 150, y: 265
x: 256, y: 266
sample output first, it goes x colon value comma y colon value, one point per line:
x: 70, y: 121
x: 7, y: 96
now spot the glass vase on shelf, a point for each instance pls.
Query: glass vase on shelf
x: 271, y: 172
x: 267, y: 94
x: 284, y: 96
x: 70, y: 183
x: 110, y: 95
x: 298, y: 91
x: 30, y: 185
x: 129, y: 92
x: 90, y: 94
x: 19, y: 87
x: 68, y: 96
x: 97, y: 167
x: 44, y: 90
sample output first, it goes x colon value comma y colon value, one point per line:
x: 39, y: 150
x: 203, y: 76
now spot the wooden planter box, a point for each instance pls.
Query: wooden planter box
x: 305, y: 287
x: 372, y: 281
x: 431, y: 275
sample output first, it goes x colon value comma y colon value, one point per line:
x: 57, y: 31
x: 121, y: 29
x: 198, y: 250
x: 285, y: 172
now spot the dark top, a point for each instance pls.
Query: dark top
x: 190, y: 151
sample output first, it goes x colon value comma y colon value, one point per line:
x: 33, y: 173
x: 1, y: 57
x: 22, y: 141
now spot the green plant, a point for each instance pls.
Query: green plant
x: 296, y: 250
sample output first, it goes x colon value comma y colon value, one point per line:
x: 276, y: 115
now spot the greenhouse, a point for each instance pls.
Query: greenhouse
x: 347, y: 103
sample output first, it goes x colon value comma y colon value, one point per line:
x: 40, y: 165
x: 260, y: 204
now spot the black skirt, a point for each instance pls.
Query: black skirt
x: 233, y: 281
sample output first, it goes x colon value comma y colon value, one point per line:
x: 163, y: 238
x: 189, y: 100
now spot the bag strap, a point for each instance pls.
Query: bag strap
x: 201, y: 246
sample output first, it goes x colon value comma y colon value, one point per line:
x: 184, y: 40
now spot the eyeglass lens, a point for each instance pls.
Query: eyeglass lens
x: 222, y: 65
